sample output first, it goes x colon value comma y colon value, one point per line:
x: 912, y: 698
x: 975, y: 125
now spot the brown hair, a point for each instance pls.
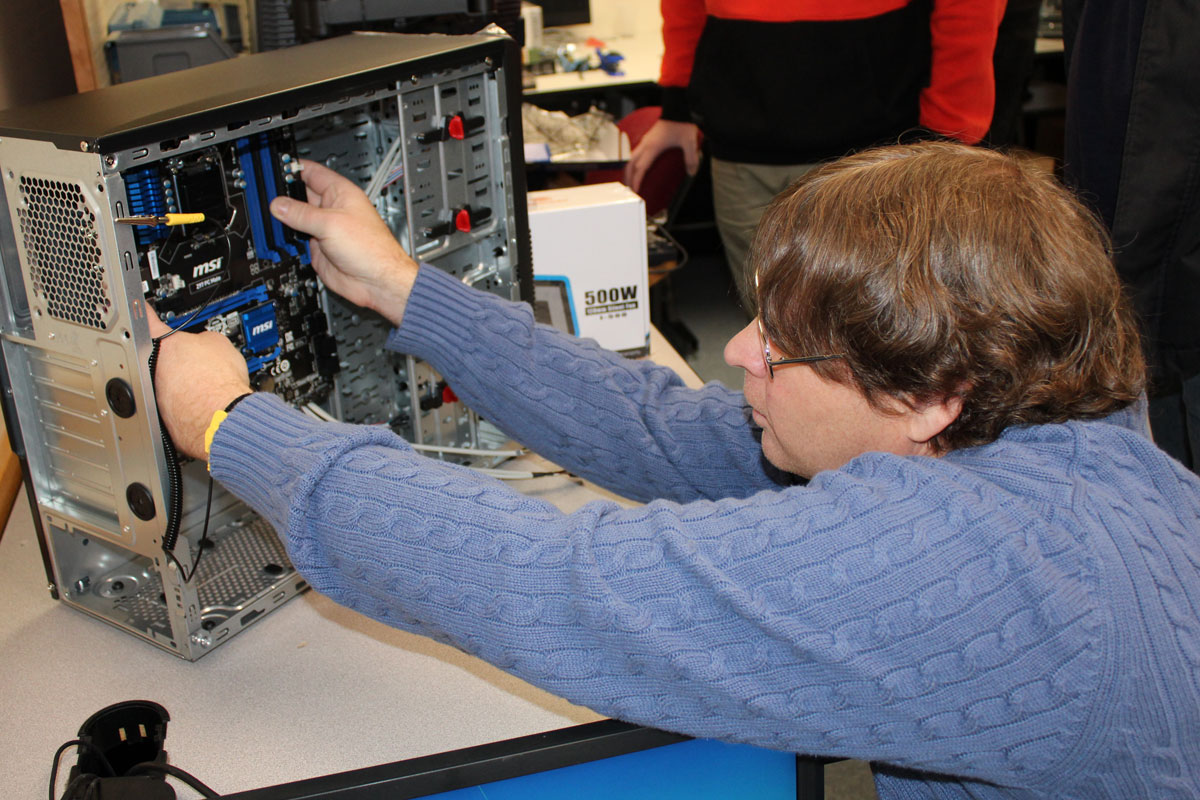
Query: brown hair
x: 940, y: 269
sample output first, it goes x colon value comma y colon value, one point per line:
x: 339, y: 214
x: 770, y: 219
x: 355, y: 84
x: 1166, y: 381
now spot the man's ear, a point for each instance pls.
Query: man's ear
x: 927, y: 420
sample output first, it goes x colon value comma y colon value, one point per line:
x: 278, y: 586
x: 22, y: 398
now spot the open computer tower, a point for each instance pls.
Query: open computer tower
x: 423, y: 123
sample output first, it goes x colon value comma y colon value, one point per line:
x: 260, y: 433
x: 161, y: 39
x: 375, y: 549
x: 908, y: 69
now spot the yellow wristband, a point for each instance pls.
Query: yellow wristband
x: 217, y: 418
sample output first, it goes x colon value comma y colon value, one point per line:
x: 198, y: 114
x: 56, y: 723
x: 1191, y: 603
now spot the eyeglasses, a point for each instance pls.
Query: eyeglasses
x: 772, y: 363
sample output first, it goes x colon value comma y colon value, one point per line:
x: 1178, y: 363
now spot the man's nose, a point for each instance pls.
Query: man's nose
x: 743, y: 351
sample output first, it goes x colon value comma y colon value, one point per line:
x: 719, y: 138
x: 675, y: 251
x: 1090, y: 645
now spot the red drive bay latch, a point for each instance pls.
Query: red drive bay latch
x: 452, y: 127
x: 463, y: 219
x: 466, y: 218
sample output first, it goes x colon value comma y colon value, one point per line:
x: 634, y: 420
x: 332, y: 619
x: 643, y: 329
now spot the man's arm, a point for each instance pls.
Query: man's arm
x: 353, y: 251
x: 853, y: 618
x: 195, y: 375
x: 683, y: 22
x: 356, y: 256
x: 631, y: 426
x: 962, y: 90
x: 817, y: 619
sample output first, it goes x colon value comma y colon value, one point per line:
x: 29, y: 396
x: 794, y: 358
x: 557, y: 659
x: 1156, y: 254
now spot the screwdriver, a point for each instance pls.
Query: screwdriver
x: 165, y: 219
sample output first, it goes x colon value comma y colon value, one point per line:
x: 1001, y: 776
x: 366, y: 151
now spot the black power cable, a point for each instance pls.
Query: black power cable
x: 175, y: 772
x: 121, y: 756
x: 75, y: 785
x: 174, y: 471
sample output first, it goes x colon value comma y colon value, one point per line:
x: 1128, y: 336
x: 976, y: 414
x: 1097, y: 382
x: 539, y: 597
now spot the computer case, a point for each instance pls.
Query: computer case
x: 422, y: 122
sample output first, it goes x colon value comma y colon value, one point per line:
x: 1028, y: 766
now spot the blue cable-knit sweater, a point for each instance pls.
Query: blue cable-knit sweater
x: 1014, y: 620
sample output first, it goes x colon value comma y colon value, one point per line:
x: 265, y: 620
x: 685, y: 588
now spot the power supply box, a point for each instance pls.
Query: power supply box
x: 129, y: 531
x: 589, y: 264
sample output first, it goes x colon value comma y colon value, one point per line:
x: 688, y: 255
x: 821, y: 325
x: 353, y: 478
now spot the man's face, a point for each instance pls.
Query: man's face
x: 811, y: 424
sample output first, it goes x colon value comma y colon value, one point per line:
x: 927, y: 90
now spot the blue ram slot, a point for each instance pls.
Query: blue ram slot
x: 268, y: 179
x: 258, y: 232
x: 252, y: 296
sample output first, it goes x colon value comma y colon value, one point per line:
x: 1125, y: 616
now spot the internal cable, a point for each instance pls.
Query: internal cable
x: 515, y: 475
x: 467, y: 451
x: 314, y: 410
x: 386, y: 173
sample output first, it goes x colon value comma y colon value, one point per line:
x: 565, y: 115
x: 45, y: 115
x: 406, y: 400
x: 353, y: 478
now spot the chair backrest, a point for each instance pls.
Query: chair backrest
x: 664, y: 177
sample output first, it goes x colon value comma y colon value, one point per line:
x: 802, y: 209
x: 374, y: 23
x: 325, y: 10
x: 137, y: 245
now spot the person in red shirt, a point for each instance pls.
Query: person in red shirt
x: 779, y: 85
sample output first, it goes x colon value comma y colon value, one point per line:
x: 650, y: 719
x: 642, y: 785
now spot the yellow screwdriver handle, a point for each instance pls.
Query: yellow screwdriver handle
x: 184, y: 219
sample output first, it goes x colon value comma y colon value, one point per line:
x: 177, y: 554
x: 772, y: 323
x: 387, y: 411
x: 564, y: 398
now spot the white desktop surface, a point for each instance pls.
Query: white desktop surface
x: 311, y: 689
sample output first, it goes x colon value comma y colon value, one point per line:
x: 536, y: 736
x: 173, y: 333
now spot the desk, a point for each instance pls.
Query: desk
x: 633, y: 28
x: 10, y: 478
x: 643, y: 58
x: 313, y: 689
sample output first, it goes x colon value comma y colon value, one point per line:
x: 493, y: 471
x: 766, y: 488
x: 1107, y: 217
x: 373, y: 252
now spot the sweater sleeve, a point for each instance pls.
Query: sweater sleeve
x: 961, y: 94
x: 888, y: 611
x: 630, y: 426
x: 683, y: 22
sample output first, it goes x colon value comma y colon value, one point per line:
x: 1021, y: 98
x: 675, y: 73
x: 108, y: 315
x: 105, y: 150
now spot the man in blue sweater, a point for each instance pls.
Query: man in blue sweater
x: 988, y: 586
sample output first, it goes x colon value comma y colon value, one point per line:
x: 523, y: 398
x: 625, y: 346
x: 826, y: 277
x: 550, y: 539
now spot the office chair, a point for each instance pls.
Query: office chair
x: 667, y: 177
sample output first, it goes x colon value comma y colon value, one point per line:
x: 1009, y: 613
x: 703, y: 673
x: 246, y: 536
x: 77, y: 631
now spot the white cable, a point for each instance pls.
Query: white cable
x: 466, y: 451
x: 513, y: 475
x: 312, y: 409
x: 375, y: 185
x: 316, y: 411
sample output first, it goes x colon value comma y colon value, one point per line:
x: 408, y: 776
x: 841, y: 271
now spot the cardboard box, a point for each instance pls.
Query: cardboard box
x: 589, y: 264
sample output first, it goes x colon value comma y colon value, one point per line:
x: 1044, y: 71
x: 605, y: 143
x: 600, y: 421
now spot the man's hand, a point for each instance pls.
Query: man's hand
x: 353, y: 251
x: 662, y: 136
x: 196, y: 374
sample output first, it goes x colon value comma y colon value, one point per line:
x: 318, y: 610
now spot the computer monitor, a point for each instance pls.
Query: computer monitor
x: 564, y: 12
x: 596, y: 761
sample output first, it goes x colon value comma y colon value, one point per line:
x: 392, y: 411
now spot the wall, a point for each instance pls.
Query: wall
x: 625, y: 17
x: 34, y: 61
